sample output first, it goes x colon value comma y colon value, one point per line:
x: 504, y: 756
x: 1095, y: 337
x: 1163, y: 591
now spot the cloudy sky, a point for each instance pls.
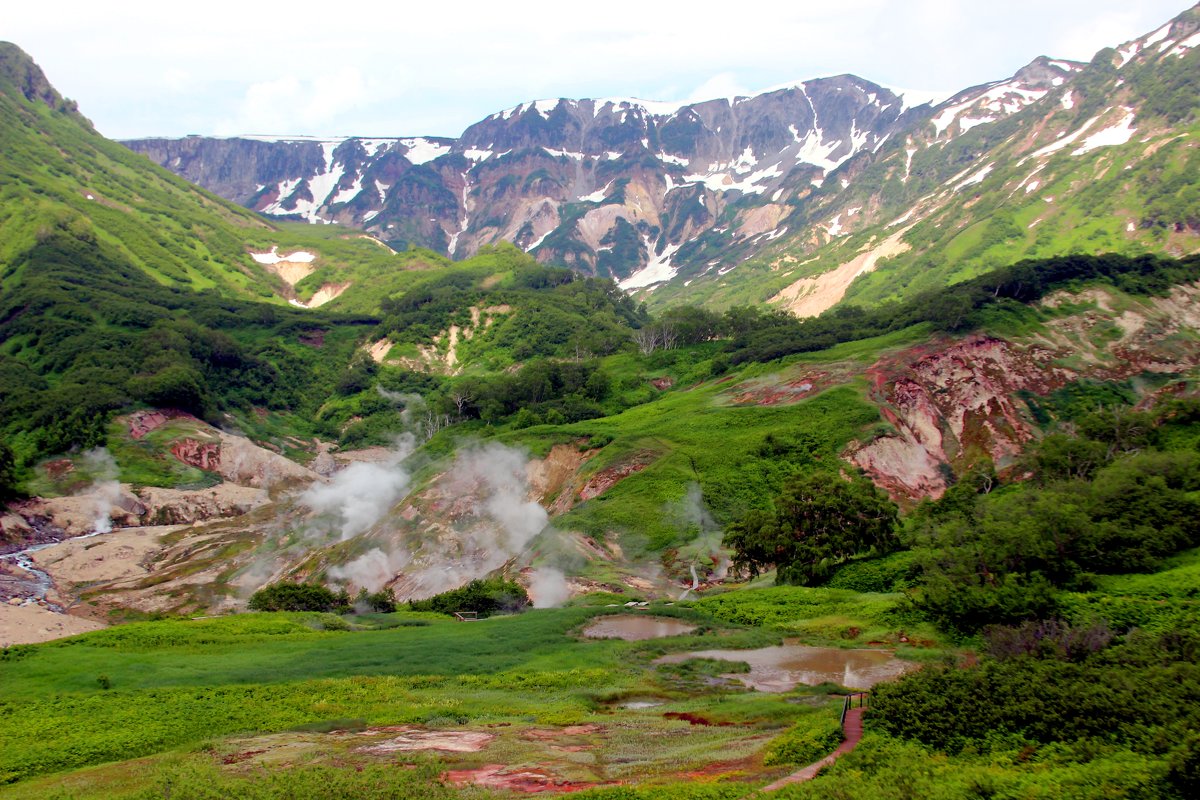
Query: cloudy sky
x: 411, y: 67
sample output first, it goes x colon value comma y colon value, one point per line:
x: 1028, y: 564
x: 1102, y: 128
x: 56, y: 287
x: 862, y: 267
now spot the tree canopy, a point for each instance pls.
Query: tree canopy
x: 818, y: 521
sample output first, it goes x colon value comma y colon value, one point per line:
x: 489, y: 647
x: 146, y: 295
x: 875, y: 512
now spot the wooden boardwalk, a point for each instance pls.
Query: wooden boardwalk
x: 852, y: 728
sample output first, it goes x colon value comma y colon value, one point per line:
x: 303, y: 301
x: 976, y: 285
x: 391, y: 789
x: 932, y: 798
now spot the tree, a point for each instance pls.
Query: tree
x: 820, y: 519
x: 8, y: 472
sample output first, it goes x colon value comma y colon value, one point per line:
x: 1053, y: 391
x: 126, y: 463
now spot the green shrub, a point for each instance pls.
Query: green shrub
x: 288, y: 596
x: 480, y: 596
x: 804, y: 744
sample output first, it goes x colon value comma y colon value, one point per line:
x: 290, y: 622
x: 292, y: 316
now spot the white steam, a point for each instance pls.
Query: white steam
x: 359, y: 496
x: 495, y: 476
x: 105, y: 491
x: 704, y: 553
x: 548, y: 588
x: 372, y: 570
x: 481, y: 518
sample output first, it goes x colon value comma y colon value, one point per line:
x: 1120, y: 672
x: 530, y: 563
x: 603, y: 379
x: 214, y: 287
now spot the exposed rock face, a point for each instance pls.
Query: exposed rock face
x: 18, y: 69
x: 178, y: 506
x: 952, y: 407
x: 202, y: 455
x: 243, y: 462
x: 955, y: 404
x: 142, y: 423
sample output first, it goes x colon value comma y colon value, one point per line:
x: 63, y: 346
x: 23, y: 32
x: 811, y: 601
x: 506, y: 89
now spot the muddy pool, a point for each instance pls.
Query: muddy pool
x: 635, y: 628
x: 783, y: 668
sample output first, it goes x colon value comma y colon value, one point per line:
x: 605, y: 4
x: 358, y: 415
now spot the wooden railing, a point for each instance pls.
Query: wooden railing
x: 855, y: 700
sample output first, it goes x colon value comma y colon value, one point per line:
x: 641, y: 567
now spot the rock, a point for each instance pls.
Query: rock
x: 178, y: 506
x: 202, y: 455
x: 324, y: 465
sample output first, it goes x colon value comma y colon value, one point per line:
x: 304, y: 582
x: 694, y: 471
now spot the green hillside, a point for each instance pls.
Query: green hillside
x: 981, y: 475
x: 1031, y: 185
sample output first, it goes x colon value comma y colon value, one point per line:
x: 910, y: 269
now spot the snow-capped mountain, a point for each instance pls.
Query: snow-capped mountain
x: 608, y: 186
x: 650, y: 193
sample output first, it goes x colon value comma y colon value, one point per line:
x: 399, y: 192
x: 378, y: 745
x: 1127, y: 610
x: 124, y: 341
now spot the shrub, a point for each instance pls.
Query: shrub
x: 801, y: 745
x: 289, y: 596
x: 481, y: 596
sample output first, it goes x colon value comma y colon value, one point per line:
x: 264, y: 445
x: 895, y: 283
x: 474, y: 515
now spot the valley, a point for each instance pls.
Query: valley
x: 612, y: 448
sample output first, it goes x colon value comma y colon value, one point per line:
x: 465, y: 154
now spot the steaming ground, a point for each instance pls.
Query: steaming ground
x: 105, y: 489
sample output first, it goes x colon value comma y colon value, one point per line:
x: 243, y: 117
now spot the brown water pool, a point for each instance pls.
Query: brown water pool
x: 634, y: 627
x: 783, y: 668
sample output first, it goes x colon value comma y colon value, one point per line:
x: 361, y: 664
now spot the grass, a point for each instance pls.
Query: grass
x: 151, y: 688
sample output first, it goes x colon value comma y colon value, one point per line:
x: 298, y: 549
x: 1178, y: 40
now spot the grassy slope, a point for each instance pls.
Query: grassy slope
x: 1125, y: 199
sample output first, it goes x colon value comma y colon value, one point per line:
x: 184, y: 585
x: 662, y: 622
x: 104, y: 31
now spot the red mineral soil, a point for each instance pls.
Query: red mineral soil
x: 952, y: 404
x: 202, y: 455
x: 605, y: 479
x: 742, y: 768
x: 59, y: 467
x: 529, y: 781
x: 143, y: 422
x: 695, y: 719
x: 772, y: 393
x: 544, y: 735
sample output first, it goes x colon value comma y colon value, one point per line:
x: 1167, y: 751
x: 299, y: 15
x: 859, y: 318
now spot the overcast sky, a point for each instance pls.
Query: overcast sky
x: 410, y: 67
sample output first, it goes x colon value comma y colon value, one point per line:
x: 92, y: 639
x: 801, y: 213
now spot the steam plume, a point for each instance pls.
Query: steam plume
x: 105, y: 491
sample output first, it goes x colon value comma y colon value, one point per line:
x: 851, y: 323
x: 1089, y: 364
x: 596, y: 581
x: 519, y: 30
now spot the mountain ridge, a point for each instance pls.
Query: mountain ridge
x: 665, y: 198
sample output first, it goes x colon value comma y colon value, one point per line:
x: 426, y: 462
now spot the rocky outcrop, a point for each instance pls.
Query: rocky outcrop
x: 952, y: 406
x: 201, y: 455
x: 178, y: 506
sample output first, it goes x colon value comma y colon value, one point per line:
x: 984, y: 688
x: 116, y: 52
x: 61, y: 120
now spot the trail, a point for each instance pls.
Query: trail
x: 852, y: 727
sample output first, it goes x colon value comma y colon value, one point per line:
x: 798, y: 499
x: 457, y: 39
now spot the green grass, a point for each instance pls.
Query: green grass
x: 691, y: 436
x: 145, y: 688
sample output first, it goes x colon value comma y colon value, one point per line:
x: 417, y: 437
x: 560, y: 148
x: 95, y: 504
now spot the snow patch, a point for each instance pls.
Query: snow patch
x: 1158, y: 35
x: 1120, y: 133
x: 598, y: 195
x: 834, y: 228
x: 658, y: 270
x: 421, y: 151
x: 966, y: 123
x: 976, y: 178
x: 475, y: 154
x: 348, y: 194
x: 667, y: 158
x: 1064, y: 140
x: 1187, y: 44
x: 563, y: 154
x: 274, y: 257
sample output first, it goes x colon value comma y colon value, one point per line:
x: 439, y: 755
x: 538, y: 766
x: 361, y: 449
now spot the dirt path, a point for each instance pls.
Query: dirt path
x: 853, y: 729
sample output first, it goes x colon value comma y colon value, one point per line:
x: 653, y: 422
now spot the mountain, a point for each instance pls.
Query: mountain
x: 605, y: 186
x: 781, y: 187
x: 1098, y: 158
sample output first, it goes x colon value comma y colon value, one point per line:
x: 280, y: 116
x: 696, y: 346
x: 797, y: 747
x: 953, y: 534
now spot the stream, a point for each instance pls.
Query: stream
x: 41, y: 579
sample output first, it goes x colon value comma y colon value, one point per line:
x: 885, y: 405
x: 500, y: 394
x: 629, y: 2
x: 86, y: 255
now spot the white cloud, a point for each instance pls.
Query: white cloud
x: 291, y: 104
x: 304, y: 66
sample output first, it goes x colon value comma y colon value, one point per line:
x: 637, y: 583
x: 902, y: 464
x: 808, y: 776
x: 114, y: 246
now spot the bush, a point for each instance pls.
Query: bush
x: 802, y: 746
x: 381, y: 602
x: 481, y: 596
x: 288, y: 596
